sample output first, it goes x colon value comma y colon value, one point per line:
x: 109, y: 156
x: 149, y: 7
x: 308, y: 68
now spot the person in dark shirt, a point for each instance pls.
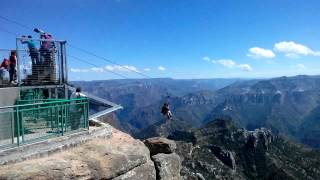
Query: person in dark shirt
x: 12, y: 66
x: 166, y: 111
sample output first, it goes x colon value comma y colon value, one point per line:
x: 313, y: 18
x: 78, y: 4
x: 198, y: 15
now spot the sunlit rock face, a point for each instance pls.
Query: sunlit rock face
x: 118, y: 157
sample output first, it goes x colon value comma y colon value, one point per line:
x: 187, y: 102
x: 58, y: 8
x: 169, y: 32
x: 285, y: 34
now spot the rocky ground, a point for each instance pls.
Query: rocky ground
x: 119, y: 157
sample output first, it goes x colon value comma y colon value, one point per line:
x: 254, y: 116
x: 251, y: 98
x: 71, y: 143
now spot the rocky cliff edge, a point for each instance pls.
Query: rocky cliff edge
x: 118, y: 157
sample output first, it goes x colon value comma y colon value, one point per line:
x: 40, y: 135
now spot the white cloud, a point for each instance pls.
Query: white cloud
x: 95, y: 69
x: 129, y: 68
x: 114, y: 68
x: 79, y: 70
x: 206, y: 58
x: 161, y: 68
x: 228, y: 63
x: 245, y: 67
x: 125, y: 68
x: 109, y: 68
x: 300, y: 66
x: 225, y: 62
x: 292, y: 56
x: 294, y: 50
x: 147, y: 69
x: 259, y: 53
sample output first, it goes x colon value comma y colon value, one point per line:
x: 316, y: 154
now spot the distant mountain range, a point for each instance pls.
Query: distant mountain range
x: 287, y: 105
x: 143, y: 98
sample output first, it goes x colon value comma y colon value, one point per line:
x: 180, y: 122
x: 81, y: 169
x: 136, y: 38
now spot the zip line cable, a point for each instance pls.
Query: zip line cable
x: 15, y: 22
x: 87, y: 62
x: 6, y: 31
x: 74, y: 57
x: 107, y: 60
x: 80, y: 49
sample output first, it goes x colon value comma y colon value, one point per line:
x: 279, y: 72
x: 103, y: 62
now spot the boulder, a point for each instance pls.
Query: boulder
x: 167, y: 166
x: 160, y: 145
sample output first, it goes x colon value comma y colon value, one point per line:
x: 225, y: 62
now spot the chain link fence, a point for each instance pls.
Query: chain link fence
x: 41, y: 62
x: 34, y: 62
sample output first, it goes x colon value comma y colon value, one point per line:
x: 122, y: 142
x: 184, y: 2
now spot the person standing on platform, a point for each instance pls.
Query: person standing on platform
x: 77, y: 109
x: 12, y: 67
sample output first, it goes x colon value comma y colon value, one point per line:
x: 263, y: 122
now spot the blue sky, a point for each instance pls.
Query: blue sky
x: 178, y: 39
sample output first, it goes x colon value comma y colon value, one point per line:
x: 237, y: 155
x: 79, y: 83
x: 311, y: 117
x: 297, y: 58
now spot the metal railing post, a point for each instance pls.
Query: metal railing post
x: 12, y: 127
x: 18, y: 63
x: 64, y: 116
x: 59, y: 63
x: 60, y: 114
x: 51, y: 119
x: 87, y: 115
x: 56, y: 93
x: 18, y: 126
x: 22, y: 127
x: 57, y: 120
x: 65, y: 63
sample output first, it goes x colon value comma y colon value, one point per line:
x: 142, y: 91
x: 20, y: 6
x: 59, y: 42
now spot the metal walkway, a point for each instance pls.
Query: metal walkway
x: 111, y: 107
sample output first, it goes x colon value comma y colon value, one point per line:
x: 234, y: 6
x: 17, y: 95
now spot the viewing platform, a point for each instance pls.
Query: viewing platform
x: 35, y: 102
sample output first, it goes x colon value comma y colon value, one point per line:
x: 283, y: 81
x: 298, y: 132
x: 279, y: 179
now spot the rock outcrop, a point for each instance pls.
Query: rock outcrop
x: 166, y: 161
x: 119, y: 157
x: 160, y: 145
x: 167, y: 166
x: 225, y: 156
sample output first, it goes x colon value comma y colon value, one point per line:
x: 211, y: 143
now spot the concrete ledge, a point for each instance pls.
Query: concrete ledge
x: 50, y: 146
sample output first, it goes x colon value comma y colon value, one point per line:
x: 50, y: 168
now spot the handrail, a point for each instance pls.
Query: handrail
x: 42, y: 103
x: 104, y: 112
x: 27, y: 123
x: 95, y: 98
x: 42, y: 40
x: 114, y: 107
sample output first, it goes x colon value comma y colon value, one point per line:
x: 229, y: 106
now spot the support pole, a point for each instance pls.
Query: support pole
x: 18, y: 63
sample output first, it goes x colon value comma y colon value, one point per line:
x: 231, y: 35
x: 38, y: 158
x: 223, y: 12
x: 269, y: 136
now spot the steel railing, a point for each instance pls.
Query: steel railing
x: 34, y: 120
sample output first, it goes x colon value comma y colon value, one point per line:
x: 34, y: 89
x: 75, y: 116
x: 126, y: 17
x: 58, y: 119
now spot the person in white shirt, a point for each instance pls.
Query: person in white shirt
x: 77, y: 110
x: 77, y: 94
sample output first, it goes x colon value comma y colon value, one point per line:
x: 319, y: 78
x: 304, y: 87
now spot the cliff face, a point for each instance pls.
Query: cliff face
x: 102, y: 153
x: 222, y: 151
x: 116, y: 157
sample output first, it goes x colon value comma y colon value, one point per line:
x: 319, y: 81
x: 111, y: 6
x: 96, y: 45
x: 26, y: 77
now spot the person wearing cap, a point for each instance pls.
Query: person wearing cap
x: 45, y: 45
